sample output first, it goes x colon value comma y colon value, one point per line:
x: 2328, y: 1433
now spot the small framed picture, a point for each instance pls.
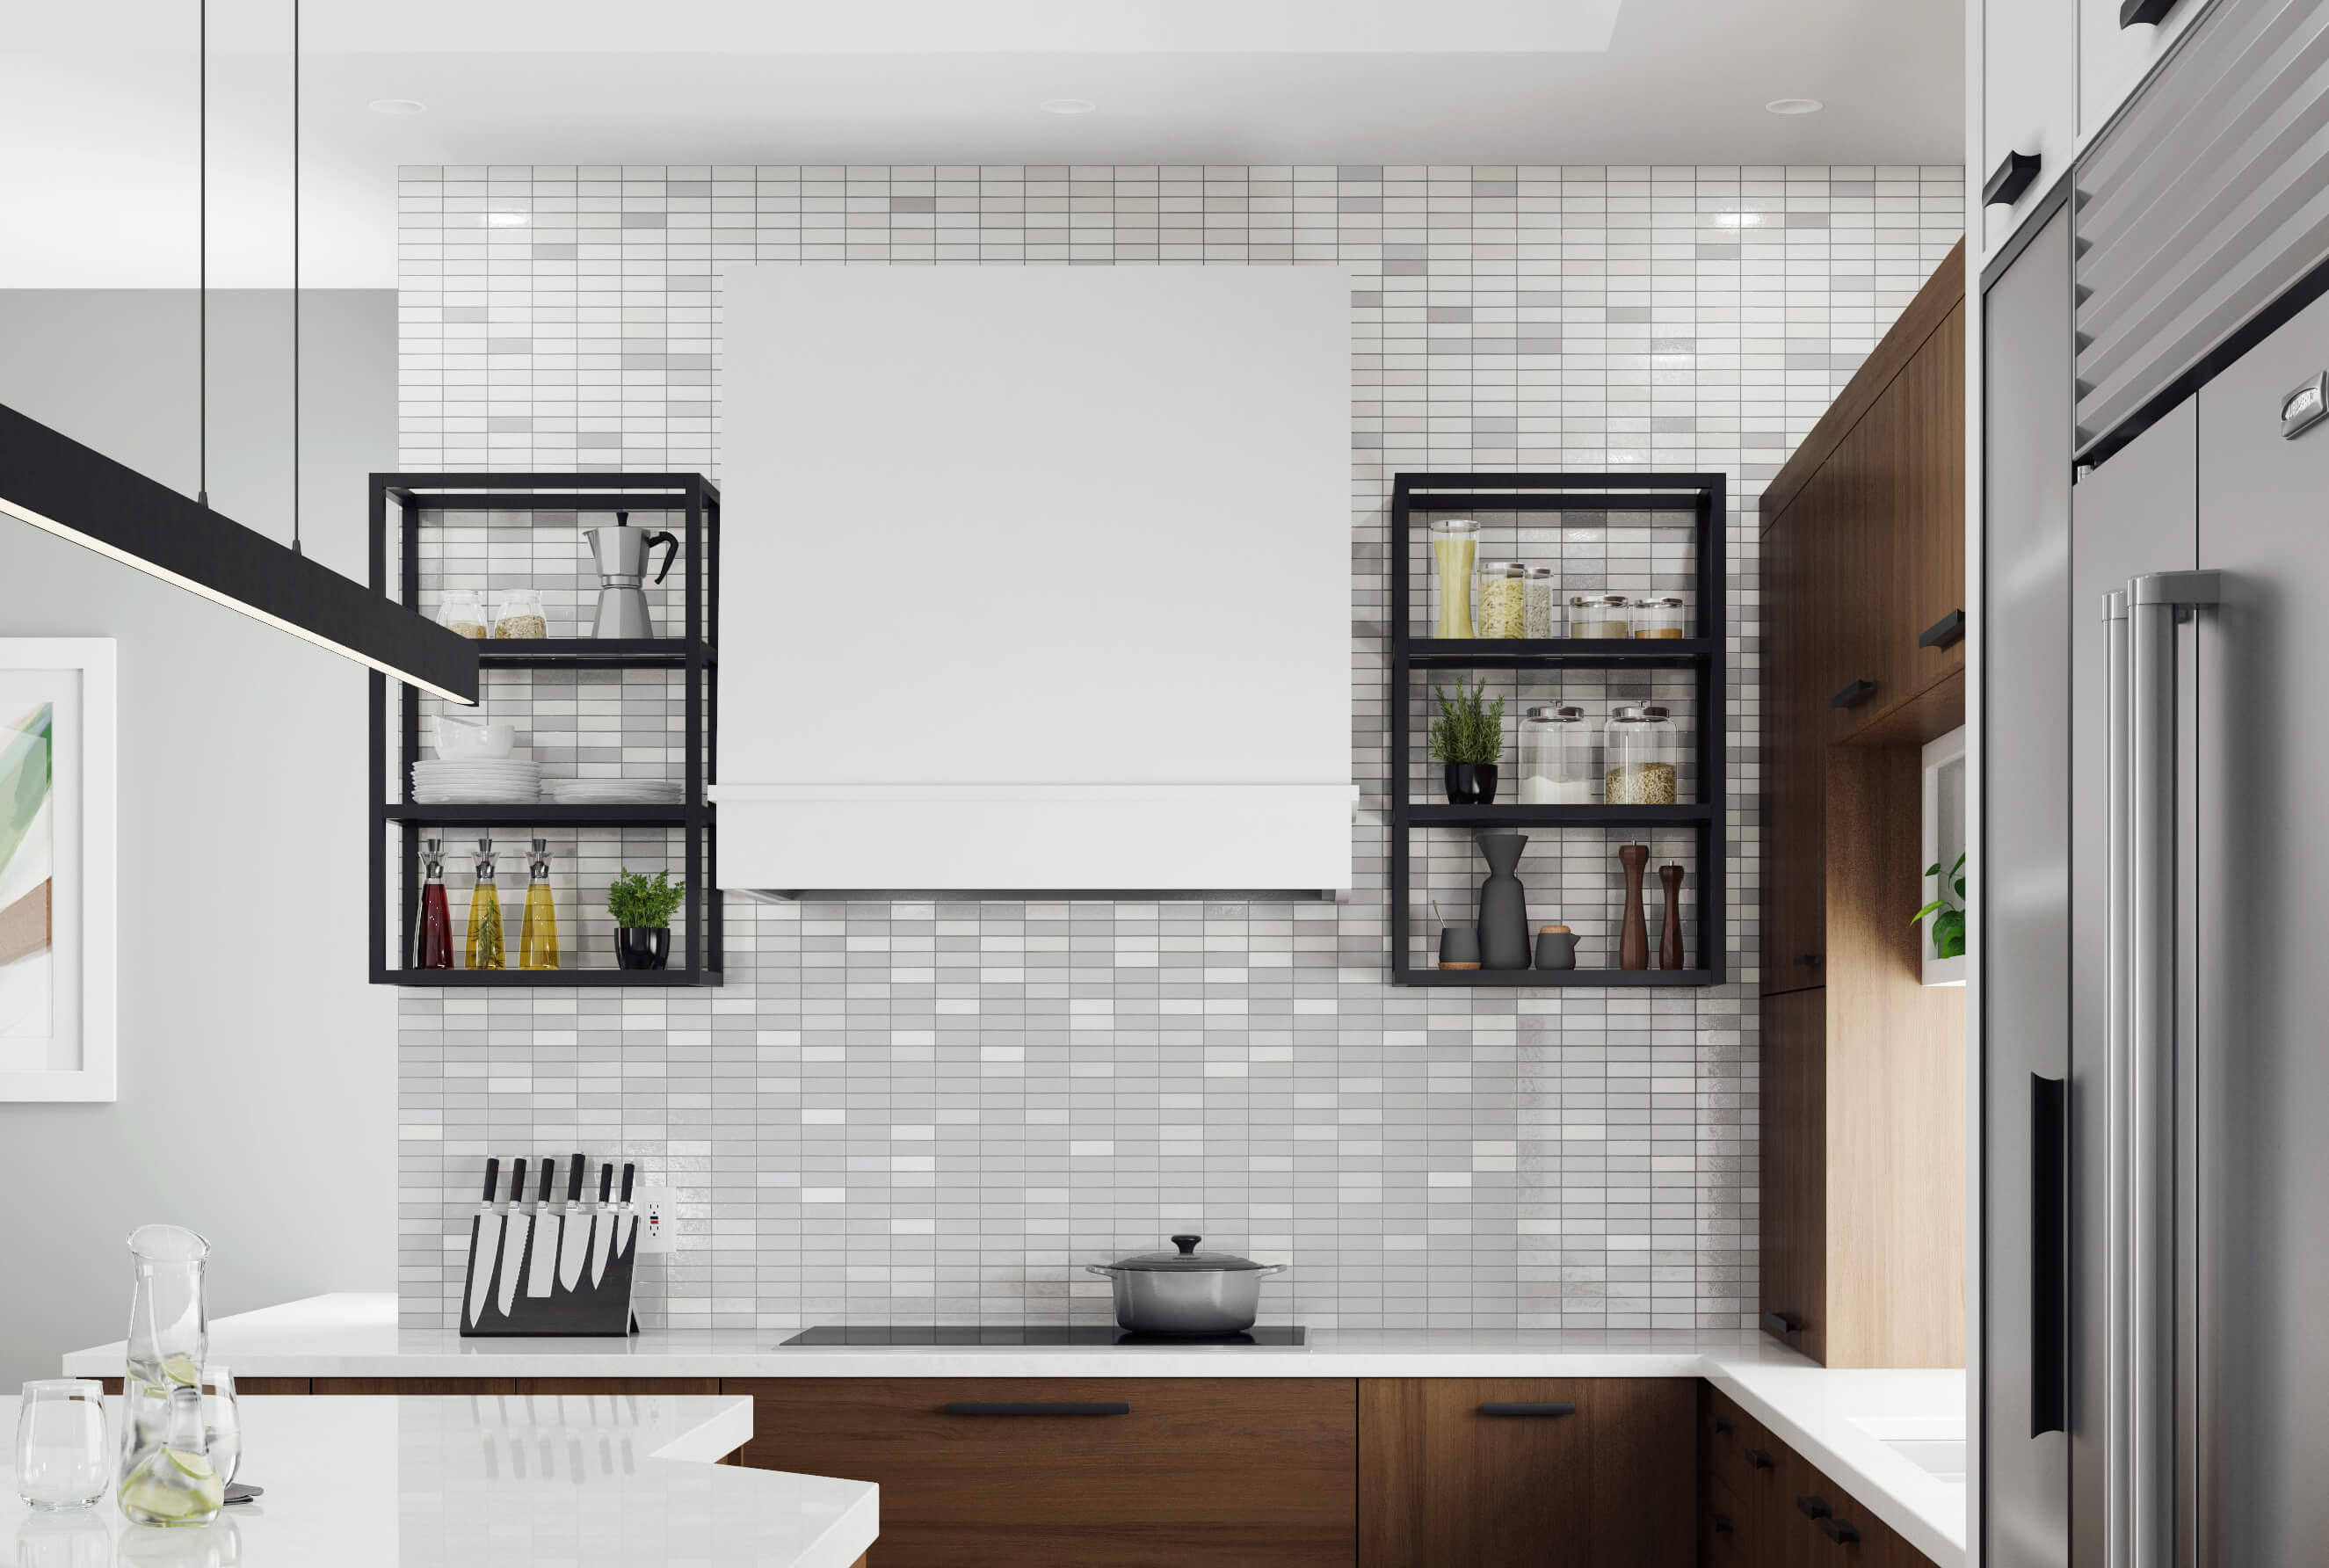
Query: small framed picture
x: 57, y: 896
x: 1945, y: 855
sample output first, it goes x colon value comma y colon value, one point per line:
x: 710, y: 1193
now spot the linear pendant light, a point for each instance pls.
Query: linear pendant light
x: 54, y: 483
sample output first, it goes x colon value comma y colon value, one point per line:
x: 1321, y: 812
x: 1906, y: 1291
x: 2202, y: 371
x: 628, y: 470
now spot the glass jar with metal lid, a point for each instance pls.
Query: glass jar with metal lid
x: 1638, y: 758
x: 1659, y: 617
x: 1602, y: 615
x: 1454, y: 549
x: 1504, y: 592
x: 1537, y: 602
x: 1556, y: 757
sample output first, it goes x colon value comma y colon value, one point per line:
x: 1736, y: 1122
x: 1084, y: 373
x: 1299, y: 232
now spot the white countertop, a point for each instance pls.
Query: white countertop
x: 478, y: 1481
x: 1818, y: 1412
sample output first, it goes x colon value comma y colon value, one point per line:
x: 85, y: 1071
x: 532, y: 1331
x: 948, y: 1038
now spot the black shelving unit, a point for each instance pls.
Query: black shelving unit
x: 1415, y: 499
x: 396, y: 827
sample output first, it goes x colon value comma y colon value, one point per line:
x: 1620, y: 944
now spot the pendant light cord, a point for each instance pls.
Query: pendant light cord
x: 203, y: 252
x: 296, y: 549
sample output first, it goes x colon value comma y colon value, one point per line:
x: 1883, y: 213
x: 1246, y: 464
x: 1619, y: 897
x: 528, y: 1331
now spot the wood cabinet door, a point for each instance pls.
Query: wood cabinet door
x: 1794, y: 662
x: 1792, y: 1151
x: 1211, y: 1472
x: 1929, y: 583
x: 1443, y: 1480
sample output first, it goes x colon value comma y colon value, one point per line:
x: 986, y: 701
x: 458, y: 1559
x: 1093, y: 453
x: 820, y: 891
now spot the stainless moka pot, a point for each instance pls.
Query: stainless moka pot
x: 621, y: 552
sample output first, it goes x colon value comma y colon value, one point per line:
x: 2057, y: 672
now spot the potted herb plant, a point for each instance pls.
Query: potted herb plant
x: 642, y: 907
x: 1947, y: 911
x: 1467, y: 739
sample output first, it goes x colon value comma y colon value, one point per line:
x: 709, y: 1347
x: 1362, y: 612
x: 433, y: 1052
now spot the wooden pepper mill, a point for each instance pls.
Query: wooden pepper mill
x: 1634, y: 940
x: 1670, y: 940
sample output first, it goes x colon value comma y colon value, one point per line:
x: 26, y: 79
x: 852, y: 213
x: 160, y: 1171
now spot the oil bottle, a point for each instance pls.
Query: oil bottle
x: 435, y: 948
x: 485, y: 945
x: 537, y: 935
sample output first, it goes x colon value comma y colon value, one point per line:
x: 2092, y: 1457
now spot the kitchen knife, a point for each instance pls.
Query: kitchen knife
x: 514, y: 1235
x: 573, y: 1231
x: 485, y: 1243
x: 542, y: 1269
x: 602, y: 1225
x: 624, y: 1223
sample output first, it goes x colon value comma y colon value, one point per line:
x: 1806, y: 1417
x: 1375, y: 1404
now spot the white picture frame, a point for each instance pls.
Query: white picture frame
x: 58, y: 859
x: 1944, y: 839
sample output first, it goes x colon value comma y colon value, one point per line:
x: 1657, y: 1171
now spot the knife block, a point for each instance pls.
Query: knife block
x: 592, y: 1306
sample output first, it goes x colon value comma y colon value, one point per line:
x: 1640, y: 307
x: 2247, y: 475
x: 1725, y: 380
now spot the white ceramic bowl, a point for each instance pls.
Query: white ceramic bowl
x: 467, y: 740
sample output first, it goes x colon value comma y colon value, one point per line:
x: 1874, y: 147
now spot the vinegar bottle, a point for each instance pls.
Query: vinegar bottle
x: 484, y: 950
x: 435, y: 948
x: 537, y: 935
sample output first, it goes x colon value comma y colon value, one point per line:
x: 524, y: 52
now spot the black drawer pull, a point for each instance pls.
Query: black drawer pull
x: 1723, y: 1423
x: 1506, y: 1407
x: 1853, y: 695
x: 1008, y: 1407
x: 2010, y: 179
x: 1759, y: 1459
x: 2132, y: 11
x: 1722, y: 1524
x: 1842, y: 1532
x: 1783, y: 1323
x: 1807, y: 960
x: 1814, y: 1507
x: 1948, y: 630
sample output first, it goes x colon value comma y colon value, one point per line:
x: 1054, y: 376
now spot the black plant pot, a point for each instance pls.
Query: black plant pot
x: 1470, y: 783
x: 643, y: 947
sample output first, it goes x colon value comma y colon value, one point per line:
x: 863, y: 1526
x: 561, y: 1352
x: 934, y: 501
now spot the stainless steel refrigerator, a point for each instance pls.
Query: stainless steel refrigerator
x: 2154, y: 1361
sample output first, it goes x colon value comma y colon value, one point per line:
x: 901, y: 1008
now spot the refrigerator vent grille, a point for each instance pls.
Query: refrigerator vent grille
x: 2204, y: 203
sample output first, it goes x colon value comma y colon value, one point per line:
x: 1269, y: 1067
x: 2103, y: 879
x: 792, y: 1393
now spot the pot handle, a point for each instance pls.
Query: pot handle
x: 1267, y: 1270
x: 1105, y: 1270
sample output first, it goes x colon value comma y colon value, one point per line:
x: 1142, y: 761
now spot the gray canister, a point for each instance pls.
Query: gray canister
x: 1556, y: 949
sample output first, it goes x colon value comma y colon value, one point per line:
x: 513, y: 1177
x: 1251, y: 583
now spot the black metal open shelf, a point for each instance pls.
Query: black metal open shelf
x: 1697, y: 501
x: 396, y: 827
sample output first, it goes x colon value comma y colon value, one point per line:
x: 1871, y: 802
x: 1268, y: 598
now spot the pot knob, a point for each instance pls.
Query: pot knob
x: 1188, y: 1244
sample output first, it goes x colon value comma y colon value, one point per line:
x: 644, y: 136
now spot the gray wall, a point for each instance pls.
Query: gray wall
x: 257, y: 1088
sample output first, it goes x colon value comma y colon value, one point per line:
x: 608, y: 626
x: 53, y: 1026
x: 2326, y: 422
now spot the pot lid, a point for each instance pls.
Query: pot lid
x: 1187, y: 1260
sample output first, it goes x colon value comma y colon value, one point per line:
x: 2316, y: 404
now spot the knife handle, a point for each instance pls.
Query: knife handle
x: 606, y: 1183
x: 628, y: 1171
x: 517, y: 1186
x: 548, y: 1175
x: 493, y: 1179
x: 574, y: 1182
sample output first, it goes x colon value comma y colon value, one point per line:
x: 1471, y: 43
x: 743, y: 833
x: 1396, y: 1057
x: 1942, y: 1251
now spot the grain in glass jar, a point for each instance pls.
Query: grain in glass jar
x: 1504, y: 592
x: 1538, y: 602
x: 1638, y: 758
x: 1659, y: 617
x: 518, y: 614
x: 463, y: 613
x: 1605, y: 614
x: 1454, y: 549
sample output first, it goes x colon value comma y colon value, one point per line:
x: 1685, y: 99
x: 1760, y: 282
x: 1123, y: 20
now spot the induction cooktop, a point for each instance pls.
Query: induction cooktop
x: 1282, y: 1335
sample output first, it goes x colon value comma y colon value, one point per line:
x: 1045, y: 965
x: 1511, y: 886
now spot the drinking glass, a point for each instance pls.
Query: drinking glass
x: 62, y: 1461
x: 221, y: 1420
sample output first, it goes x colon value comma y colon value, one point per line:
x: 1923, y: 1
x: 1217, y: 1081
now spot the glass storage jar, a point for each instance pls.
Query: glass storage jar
x: 1556, y: 757
x: 517, y: 613
x: 1604, y: 615
x: 1503, y: 593
x: 463, y: 613
x: 1454, y: 549
x: 1658, y: 618
x: 1638, y: 758
x: 1537, y: 602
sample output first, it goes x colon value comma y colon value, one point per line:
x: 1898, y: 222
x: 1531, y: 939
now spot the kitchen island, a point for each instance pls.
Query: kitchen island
x: 1892, y: 1439
x: 479, y: 1481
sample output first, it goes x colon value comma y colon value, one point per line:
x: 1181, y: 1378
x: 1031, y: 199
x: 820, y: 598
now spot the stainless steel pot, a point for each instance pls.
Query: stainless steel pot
x: 1186, y: 1291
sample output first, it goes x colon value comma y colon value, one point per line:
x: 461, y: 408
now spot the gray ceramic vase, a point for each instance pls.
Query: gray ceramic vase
x: 1504, y: 902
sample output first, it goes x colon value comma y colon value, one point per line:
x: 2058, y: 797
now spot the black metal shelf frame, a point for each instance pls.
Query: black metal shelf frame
x: 395, y: 825
x: 1698, y: 500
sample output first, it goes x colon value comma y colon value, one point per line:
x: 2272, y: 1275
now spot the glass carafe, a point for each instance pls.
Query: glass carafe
x: 537, y: 933
x: 484, y: 949
x: 166, y: 1477
x: 433, y: 948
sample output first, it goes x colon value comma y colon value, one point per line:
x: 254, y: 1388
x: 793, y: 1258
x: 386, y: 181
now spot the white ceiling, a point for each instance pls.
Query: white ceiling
x: 97, y: 157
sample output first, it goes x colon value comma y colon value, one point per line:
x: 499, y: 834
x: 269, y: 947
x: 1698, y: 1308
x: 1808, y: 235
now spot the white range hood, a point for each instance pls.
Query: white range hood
x: 1036, y: 579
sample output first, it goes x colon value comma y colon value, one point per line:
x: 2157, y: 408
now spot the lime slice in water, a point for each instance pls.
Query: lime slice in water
x: 182, y: 1369
x: 144, y: 1494
x: 192, y: 1464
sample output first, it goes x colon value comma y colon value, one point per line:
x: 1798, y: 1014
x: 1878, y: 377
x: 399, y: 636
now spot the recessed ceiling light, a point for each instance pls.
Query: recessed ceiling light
x: 1794, y: 106
x: 1067, y: 105
x: 396, y: 106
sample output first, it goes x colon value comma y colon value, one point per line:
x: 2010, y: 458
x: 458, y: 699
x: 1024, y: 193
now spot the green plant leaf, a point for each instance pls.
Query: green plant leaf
x: 27, y: 771
x: 1468, y: 728
x: 640, y: 902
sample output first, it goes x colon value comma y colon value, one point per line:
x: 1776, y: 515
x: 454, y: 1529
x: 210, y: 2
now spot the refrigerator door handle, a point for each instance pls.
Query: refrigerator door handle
x: 2119, y: 1281
x: 2049, y: 1254
x: 2155, y: 604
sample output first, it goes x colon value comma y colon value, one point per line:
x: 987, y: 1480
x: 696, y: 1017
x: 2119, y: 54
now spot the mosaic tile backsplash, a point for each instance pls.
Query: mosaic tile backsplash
x: 939, y: 1111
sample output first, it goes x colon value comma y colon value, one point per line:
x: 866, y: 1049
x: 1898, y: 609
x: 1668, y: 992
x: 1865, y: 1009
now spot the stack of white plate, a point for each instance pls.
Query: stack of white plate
x: 614, y: 791
x: 484, y: 781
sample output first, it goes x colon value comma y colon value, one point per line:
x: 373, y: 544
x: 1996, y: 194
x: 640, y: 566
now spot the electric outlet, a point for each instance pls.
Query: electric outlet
x: 657, y: 1234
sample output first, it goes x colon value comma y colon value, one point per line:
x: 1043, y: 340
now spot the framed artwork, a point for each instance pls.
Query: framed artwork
x: 1944, y: 847
x: 57, y: 896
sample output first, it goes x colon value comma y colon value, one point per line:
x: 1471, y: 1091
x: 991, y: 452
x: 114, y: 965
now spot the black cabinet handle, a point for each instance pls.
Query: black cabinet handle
x: 1507, y: 1407
x: 1807, y: 960
x: 1721, y: 1522
x: 1759, y: 1459
x: 1723, y: 1423
x: 1842, y: 1532
x: 1086, y: 1407
x: 2131, y: 11
x: 2010, y: 179
x: 1853, y: 695
x: 1948, y: 630
x: 1814, y: 1507
x: 2049, y: 1254
x: 1783, y: 1323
